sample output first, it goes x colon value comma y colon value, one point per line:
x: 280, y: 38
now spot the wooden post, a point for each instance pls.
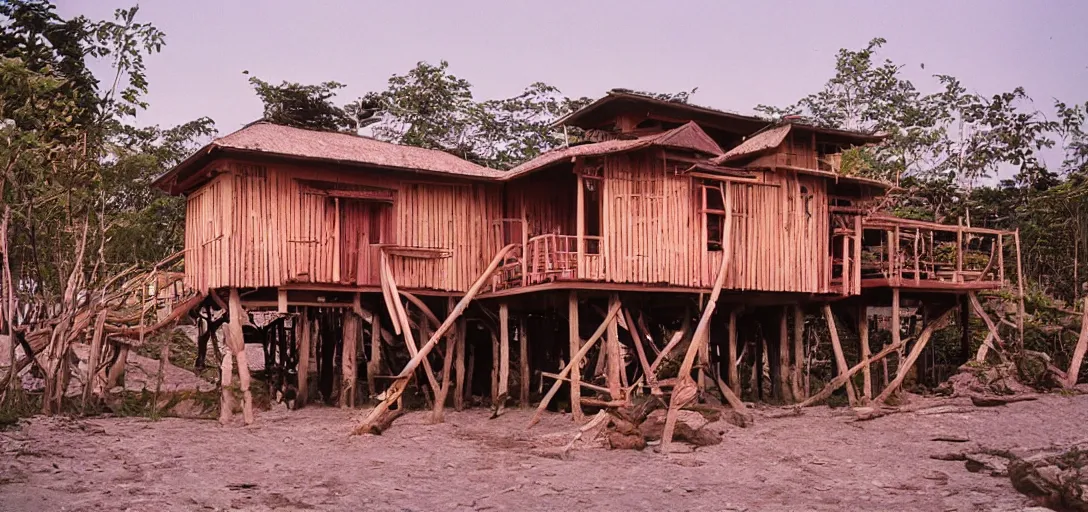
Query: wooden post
x: 1001, y: 259
x: 1020, y: 287
x: 572, y: 365
x: 447, y: 363
x: 965, y: 329
x: 896, y: 334
x: 784, y: 355
x: 91, y: 375
x: 459, y: 367
x: 504, y: 353
x: 397, y: 388
x: 494, y: 368
x: 612, y: 346
x: 916, y: 351
x: 958, y: 276
x: 840, y: 359
x: 575, y: 348
x: 303, y: 335
x: 863, y: 338
x: 734, y: 376
x: 798, y: 351
x: 636, y: 337
x: 238, y: 346
x: 374, y: 365
x: 580, y: 217
x: 1078, y: 353
x: 523, y: 362
x: 281, y: 301
x: 350, y: 340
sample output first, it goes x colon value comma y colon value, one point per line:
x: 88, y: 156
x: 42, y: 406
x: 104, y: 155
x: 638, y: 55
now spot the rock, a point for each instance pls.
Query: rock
x: 689, y: 428
x: 690, y: 418
x: 992, y: 464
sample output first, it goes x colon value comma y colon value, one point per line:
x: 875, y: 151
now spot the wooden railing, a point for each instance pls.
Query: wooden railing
x: 552, y: 257
x: 903, y: 252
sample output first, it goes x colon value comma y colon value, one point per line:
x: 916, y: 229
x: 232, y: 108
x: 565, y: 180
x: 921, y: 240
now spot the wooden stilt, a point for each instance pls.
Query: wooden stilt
x: 637, y: 340
x: 374, y: 365
x: 1078, y: 352
x: 470, y: 371
x: 504, y: 354
x: 447, y: 364
x: 784, y: 354
x: 897, y: 333
x: 459, y: 367
x: 798, y: 352
x: 1020, y: 287
x: 841, y: 379
x: 840, y: 359
x: 494, y: 369
x: 226, y: 400
x: 572, y: 365
x: 238, y: 346
x: 575, y: 348
x: 965, y: 329
x: 612, y: 346
x: 863, y: 337
x: 732, y: 371
x: 916, y: 351
x: 350, y: 337
x: 523, y: 362
x: 397, y: 388
x: 993, y: 335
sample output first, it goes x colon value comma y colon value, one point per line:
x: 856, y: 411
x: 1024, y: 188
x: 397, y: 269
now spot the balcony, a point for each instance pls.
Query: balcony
x: 903, y: 253
x: 552, y: 257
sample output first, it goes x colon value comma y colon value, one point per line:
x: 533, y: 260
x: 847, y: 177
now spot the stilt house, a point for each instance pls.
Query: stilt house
x: 663, y: 205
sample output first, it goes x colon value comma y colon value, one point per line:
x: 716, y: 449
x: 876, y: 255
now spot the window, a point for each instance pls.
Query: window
x: 714, y: 216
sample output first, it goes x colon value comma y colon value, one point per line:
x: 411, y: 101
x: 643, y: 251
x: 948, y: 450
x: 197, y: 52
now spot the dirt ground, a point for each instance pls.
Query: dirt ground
x: 295, y: 460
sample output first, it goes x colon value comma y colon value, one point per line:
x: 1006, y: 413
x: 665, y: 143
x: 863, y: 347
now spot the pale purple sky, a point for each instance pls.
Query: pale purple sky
x: 738, y: 54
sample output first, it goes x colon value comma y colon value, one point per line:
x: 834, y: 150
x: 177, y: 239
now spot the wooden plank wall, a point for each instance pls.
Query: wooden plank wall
x: 548, y: 199
x: 256, y: 226
x: 653, y: 231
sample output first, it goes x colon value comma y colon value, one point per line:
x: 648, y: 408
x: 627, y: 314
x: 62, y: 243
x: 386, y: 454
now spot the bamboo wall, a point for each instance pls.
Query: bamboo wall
x: 260, y: 226
x: 653, y: 227
x: 654, y: 230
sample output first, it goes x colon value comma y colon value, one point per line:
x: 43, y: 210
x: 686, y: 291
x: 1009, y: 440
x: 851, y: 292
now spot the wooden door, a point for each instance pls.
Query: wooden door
x: 364, y: 227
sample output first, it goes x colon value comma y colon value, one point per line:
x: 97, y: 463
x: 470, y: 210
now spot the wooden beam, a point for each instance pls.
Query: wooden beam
x: 374, y: 364
x: 840, y: 359
x: 397, y: 388
x: 636, y: 338
x: 303, y: 335
x: 916, y: 351
x: 575, y: 348
x: 350, y: 340
x: 841, y: 379
x: 567, y: 370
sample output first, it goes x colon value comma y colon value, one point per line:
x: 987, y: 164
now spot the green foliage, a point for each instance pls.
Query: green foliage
x: 303, y: 106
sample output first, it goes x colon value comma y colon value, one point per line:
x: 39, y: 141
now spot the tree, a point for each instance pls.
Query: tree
x: 303, y: 106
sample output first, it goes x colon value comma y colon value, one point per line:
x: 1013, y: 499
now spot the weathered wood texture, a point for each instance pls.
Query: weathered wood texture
x: 653, y: 229
x: 276, y: 224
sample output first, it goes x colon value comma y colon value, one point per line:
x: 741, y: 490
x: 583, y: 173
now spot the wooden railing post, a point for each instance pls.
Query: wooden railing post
x: 957, y: 277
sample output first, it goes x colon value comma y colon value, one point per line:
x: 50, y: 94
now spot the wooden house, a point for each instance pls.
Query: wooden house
x: 664, y: 211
